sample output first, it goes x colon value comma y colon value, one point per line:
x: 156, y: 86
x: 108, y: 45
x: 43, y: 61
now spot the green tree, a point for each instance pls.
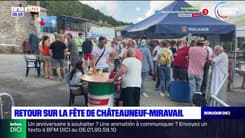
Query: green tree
x: 75, y: 8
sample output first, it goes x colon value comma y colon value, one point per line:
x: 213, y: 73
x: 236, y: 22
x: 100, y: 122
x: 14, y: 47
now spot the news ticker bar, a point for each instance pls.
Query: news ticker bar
x: 122, y: 128
x: 128, y: 113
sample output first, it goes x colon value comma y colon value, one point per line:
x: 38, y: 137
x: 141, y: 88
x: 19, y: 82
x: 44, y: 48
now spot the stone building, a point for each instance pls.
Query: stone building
x: 14, y: 30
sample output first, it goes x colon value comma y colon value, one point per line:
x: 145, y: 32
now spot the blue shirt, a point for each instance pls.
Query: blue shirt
x: 147, y: 64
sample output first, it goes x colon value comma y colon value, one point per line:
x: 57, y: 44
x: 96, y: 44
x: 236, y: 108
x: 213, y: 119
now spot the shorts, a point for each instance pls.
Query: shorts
x: 41, y: 57
x: 47, y: 58
x: 59, y: 63
x: 87, y: 56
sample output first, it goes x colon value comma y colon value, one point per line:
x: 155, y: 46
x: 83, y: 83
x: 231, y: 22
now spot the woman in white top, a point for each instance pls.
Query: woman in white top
x: 131, y: 79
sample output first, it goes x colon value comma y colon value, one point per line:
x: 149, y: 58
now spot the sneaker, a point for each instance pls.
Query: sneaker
x: 167, y: 94
x: 162, y: 94
x: 145, y: 95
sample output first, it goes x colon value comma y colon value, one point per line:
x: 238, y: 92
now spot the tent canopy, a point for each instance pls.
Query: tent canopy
x: 170, y: 22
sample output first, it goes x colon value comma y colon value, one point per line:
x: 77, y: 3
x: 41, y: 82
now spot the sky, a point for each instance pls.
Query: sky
x: 135, y: 11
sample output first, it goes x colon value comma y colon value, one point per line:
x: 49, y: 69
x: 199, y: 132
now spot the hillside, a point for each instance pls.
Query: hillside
x: 76, y: 9
x: 238, y: 20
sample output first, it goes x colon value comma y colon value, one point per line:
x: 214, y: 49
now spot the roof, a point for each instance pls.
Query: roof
x: 170, y: 22
x: 83, y: 20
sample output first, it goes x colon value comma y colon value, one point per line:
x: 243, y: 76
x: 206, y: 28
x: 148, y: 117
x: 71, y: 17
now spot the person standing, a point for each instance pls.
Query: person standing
x: 220, y: 68
x: 164, y: 59
x: 207, y: 66
x: 132, y: 44
x: 79, y: 42
x: 58, y: 50
x: 180, y: 64
x: 147, y: 67
x: 117, y: 50
x: 173, y: 46
x: 123, y: 47
x: 100, y: 56
x: 33, y: 39
x: 197, y: 58
x: 209, y: 48
x: 87, y: 51
x: 73, y: 50
x: 131, y: 79
x: 156, y: 45
x: 47, y: 59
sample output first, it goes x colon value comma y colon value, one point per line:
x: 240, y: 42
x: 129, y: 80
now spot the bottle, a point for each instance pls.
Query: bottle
x: 101, y: 72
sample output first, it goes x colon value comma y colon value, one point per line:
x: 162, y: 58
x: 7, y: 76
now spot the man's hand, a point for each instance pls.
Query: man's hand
x: 94, y: 70
x: 110, y: 80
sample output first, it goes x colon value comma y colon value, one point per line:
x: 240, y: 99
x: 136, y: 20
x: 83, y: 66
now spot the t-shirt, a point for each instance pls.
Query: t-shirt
x: 103, y: 62
x: 132, y: 78
x: 79, y: 43
x: 156, y: 49
x: 159, y: 53
x: 123, y: 51
x: 116, y: 49
x: 210, y: 51
x: 138, y: 55
x: 57, y: 48
x: 87, y: 46
x: 76, y: 79
x: 45, y: 51
x: 197, y: 59
x: 180, y: 58
x: 73, y: 49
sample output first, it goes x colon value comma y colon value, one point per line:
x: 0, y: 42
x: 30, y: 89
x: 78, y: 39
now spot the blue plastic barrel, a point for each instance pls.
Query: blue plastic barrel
x: 180, y: 91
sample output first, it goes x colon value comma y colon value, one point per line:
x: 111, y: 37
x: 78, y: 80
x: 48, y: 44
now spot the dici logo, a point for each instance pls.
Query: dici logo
x: 13, y: 128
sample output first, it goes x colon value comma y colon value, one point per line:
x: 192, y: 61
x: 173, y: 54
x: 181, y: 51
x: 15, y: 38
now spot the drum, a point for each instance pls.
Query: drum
x: 100, y: 90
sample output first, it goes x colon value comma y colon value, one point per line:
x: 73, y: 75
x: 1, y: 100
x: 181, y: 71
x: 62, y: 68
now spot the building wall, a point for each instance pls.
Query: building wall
x: 14, y: 30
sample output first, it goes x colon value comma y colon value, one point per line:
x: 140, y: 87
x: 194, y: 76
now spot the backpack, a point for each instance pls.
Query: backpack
x: 199, y: 99
x: 165, y: 57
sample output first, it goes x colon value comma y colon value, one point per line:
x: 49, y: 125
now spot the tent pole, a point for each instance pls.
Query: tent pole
x: 235, y: 56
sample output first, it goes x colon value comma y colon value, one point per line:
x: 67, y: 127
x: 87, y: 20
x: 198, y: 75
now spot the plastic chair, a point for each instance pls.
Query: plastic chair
x: 180, y: 91
x: 77, y: 92
x: 2, y: 95
x: 32, y: 62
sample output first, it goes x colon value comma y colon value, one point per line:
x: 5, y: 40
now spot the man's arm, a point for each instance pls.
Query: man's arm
x: 121, y: 71
x: 65, y: 50
x: 157, y: 62
x: 154, y: 51
x: 50, y: 50
x: 92, y: 62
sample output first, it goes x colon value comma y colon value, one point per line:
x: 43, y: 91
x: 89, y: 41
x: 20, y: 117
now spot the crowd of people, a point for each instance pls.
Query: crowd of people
x: 134, y: 60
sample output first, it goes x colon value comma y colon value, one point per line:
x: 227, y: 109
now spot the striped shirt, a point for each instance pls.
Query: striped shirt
x: 197, y: 59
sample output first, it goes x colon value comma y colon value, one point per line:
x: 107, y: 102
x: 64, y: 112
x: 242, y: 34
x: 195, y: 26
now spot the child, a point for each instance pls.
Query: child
x: 75, y: 84
x: 76, y: 74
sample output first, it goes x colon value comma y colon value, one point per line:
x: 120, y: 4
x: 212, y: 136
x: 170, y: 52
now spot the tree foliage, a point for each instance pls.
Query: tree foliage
x: 76, y: 9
